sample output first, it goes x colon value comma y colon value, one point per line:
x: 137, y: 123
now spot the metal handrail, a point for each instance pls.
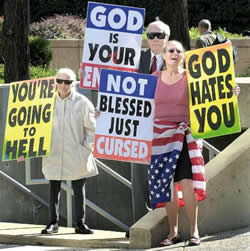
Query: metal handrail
x: 68, y: 189
x: 113, y: 173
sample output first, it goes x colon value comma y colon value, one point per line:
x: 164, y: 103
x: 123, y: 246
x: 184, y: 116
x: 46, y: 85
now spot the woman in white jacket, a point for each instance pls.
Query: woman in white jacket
x: 70, y: 154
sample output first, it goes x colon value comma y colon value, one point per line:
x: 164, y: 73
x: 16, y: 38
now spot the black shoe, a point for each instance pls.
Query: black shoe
x: 83, y: 229
x: 127, y: 234
x: 50, y: 229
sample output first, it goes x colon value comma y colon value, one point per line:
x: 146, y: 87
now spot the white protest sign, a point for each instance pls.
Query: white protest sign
x: 113, y: 38
x: 124, y: 128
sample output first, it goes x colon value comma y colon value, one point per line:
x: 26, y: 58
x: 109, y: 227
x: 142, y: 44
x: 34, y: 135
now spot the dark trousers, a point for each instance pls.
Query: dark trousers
x: 79, y: 198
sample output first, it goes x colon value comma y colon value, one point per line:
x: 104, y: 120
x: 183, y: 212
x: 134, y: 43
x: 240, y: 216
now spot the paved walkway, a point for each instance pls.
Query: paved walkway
x: 233, y: 240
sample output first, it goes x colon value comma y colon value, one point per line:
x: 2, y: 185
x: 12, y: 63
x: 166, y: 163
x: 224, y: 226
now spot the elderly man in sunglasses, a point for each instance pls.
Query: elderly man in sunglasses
x: 151, y: 60
x: 70, y: 156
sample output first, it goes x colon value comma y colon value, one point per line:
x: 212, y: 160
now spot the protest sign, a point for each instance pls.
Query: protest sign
x: 29, y: 119
x: 124, y: 128
x: 112, y: 40
x: 211, y: 78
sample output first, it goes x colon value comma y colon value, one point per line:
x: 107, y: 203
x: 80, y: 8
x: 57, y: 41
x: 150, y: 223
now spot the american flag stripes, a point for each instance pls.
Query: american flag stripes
x: 166, y: 149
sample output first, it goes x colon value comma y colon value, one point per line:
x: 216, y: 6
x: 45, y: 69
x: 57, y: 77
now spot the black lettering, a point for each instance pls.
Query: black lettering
x: 51, y: 88
x: 201, y: 118
x: 129, y: 56
x: 12, y: 117
x: 22, y: 116
x: 22, y: 147
x: 111, y: 129
x: 195, y: 93
x: 41, y: 151
x: 214, y: 125
x: 223, y: 53
x: 36, y: 114
x: 46, y: 113
x: 207, y: 70
x: 28, y: 115
x: 147, y: 109
x: 226, y: 115
x: 113, y: 38
x: 212, y: 82
x: 92, y: 51
x: 116, y: 59
x: 32, y: 90
x: 205, y: 92
x: 229, y: 85
x: 23, y: 91
x: 31, y: 147
x: 125, y: 106
x: 127, y: 126
x: 132, y: 110
x: 11, y: 149
x: 110, y: 108
x: 197, y: 72
x: 119, y: 126
x: 118, y: 105
x: 103, y: 103
x: 14, y: 90
x: 139, y: 108
x: 135, y: 123
x: 220, y: 85
x: 105, y: 49
x: 43, y: 90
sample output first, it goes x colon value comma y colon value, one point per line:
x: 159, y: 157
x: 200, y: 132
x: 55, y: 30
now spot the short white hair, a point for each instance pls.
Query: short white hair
x: 164, y: 27
x: 69, y: 72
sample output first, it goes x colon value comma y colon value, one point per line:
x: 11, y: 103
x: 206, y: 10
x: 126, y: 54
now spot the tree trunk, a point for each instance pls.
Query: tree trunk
x: 175, y: 14
x: 15, y: 40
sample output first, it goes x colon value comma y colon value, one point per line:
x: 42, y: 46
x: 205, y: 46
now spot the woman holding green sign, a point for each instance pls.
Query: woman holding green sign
x: 70, y: 154
x: 176, y: 174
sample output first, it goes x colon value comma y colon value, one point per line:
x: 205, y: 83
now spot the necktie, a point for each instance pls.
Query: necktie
x: 154, y: 65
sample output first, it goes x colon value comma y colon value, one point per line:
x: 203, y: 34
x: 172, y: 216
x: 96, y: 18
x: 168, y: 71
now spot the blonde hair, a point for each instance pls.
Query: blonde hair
x: 165, y: 49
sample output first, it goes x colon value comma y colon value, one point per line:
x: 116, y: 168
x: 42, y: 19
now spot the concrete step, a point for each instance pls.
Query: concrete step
x: 27, y: 234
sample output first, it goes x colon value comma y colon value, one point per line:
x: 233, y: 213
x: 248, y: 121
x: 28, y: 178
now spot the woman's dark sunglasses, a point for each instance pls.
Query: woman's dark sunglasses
x: 159, y: 35
x: 65, y: 81
x: 173, y: 50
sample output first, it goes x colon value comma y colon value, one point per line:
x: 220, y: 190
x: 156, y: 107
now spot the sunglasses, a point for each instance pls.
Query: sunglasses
x: 159, y: 35
x: 173, y: 50
x: 65, y: 81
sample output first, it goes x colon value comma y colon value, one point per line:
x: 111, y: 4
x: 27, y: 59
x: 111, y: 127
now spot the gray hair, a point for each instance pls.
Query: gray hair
x: 69, y: 72
x: 164, y: 27
x: 205, y: 24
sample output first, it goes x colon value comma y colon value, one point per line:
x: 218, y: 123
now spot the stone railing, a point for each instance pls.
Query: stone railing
x: 68, y: 53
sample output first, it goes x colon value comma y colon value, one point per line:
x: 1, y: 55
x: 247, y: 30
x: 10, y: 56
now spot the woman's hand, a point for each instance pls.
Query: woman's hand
x: 236, y: 90
x: 81, y: 73
x: 97, y: 113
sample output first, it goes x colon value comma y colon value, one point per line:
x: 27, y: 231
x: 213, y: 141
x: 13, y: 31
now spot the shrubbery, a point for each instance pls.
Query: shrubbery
x: 59, y: 26
x: 40, y: 51
x: 35, y: 72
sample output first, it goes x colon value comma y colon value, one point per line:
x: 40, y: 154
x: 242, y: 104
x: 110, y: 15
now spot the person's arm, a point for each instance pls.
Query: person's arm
x: 199, y: 44
x: 89, y: 122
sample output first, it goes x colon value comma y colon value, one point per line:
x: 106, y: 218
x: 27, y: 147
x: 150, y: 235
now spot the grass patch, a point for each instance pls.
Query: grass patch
x: 35, y: 72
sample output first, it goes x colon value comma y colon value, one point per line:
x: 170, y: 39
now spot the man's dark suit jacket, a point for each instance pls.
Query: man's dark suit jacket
x: 145, y: 60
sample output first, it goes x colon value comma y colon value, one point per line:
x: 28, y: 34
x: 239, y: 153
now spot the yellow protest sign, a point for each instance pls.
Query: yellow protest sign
x: 29, y: 118
x: 211, y: 78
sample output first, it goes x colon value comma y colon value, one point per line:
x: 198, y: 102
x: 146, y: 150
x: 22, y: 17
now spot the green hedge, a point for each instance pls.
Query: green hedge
x: 35, y: 72
x: 230, y: 14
